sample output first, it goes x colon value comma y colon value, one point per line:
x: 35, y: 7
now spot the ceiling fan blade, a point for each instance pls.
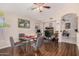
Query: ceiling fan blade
x: 33, y: 8
x: 47, y: 7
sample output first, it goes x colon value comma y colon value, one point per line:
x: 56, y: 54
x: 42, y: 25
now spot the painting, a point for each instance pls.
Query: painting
x: 67, y: 25
x: 23, y: 23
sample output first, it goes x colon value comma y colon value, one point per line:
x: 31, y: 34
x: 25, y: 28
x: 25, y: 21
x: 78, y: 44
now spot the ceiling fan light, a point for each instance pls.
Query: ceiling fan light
x: 51, y: 18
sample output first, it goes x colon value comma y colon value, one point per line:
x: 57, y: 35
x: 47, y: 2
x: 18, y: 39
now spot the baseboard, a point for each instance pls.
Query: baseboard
x: 2, y: 47
x: 68, y: 42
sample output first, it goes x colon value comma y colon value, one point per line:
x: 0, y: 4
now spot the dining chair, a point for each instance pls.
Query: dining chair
x: 15, y: 45
x: 38, y: 44
x: 21, y: 35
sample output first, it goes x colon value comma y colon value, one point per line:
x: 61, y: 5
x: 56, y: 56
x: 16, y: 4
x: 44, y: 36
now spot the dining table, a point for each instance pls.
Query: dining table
x: 28, y: 38
x: 29, y: 41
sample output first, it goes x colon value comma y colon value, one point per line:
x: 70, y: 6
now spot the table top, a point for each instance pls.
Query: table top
x: 29, y: 38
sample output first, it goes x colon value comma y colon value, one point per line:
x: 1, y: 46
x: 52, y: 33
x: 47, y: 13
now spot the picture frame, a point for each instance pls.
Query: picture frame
x: 67, y: 25
x: 23, y: 23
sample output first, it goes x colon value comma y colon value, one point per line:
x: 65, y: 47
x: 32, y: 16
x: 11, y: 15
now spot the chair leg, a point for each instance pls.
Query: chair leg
x: 23, y: 49
x: 13, y: 49
x: 36, y: 52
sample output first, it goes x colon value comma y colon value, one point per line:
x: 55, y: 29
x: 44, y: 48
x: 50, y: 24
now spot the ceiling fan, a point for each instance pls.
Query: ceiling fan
x: 40, y: 6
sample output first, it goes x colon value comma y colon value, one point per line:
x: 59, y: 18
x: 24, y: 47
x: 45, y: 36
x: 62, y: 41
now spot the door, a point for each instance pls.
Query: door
x: 69, y: 28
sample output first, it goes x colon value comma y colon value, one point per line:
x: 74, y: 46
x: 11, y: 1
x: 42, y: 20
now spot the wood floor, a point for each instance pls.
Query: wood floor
x: 48, y: 49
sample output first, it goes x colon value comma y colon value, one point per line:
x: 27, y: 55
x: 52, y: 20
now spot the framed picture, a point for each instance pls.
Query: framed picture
x: 23, y: 23
x: 36, y: 27
x: 67, y: 25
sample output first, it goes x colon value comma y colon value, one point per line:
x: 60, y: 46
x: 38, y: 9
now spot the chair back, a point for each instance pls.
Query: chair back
x: 21, y: 35
x: 12, y: 42
x: 40, y: 41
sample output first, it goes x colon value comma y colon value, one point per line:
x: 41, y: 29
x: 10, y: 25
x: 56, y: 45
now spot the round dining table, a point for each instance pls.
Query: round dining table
x: 29, y: 41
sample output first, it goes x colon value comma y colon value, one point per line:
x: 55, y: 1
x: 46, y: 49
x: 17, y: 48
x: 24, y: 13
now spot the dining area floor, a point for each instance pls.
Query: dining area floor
x: 47, y: 49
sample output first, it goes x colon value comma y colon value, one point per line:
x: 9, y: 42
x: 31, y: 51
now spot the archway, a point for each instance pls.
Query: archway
x: 69, y: 28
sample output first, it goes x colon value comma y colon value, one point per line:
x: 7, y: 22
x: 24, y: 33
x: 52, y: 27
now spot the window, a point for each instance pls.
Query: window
x: 2, y: 30
x: 2, y: 22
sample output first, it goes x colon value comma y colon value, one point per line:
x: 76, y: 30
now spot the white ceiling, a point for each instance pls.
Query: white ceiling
x: 24, y: 9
